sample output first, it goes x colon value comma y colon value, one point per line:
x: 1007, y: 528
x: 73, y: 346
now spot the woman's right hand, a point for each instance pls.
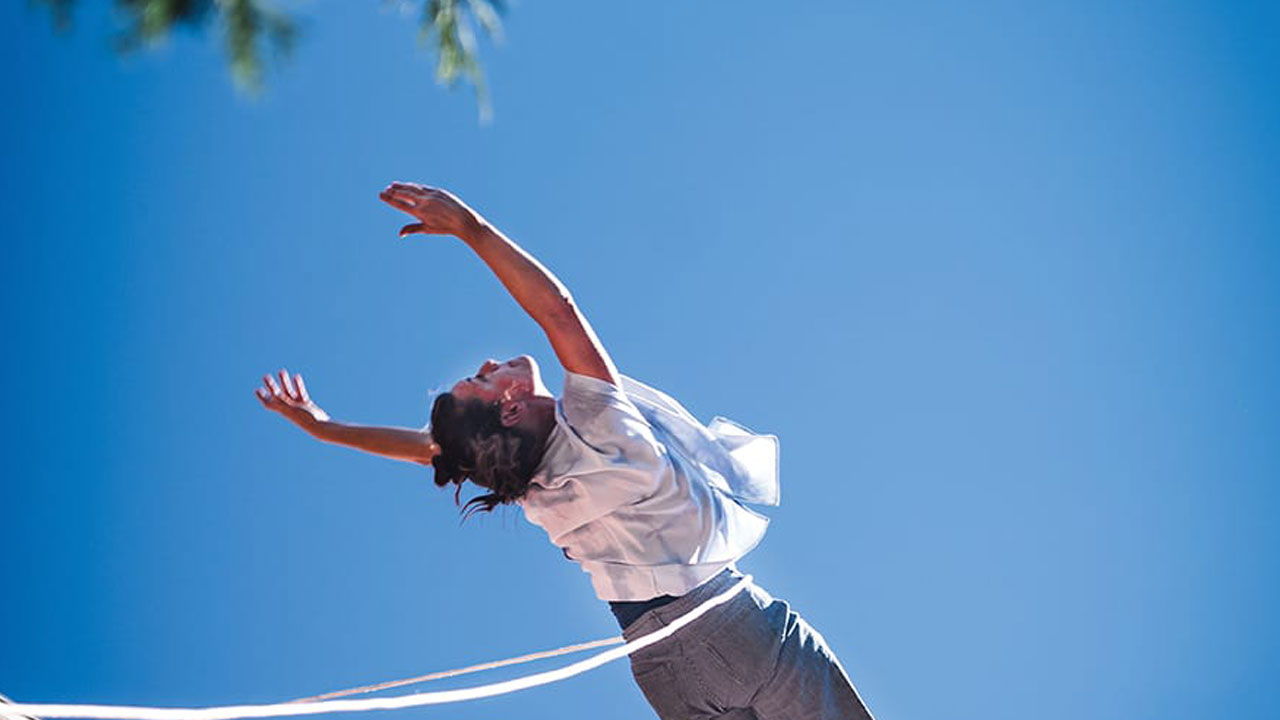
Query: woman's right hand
x: 439, y: 212
x: 289, y: 398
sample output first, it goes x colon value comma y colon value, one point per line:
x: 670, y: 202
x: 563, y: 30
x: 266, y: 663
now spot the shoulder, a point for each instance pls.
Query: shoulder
x: 600, y: 414
x: 585, y: 396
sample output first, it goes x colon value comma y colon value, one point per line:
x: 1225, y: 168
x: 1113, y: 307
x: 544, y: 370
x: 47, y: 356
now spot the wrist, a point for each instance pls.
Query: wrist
x: 478, y: 231
x: 317, y: 428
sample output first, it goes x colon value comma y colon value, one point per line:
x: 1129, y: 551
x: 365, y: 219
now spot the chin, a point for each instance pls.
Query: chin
x: 535, y: 375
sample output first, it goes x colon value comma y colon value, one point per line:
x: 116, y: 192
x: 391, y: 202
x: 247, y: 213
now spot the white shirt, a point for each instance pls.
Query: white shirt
x: 643, y: 496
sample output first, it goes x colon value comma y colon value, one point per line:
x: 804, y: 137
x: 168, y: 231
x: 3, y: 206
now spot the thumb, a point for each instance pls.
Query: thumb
x: 413, y: 228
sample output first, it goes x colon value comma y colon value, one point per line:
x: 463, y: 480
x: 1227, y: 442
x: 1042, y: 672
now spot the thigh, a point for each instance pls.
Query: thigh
x: 808, y: 682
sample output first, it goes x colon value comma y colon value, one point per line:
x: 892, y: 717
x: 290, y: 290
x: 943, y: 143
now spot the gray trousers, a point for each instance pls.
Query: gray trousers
x: 752, y: 657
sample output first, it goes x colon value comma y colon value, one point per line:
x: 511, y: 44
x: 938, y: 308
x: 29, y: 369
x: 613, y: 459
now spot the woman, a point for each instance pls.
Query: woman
x: 625, y: 481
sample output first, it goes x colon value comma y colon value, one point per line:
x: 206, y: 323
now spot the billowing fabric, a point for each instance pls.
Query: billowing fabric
x: 644, y: 497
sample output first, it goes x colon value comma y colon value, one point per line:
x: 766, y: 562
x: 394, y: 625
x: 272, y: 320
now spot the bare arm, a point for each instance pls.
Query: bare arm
x: 398, y: 443
x: 289, y: 397
x: 539, y: 292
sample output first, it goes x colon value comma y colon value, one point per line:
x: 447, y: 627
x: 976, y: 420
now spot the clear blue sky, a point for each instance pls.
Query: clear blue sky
x: 1004, y: 277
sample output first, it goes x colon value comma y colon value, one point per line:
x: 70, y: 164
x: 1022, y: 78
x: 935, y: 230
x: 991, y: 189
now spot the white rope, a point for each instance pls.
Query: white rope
x: 235, y: 712
x: 6, y: 701
x: 568, y: 649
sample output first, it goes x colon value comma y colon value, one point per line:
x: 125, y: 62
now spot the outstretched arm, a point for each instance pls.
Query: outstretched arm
x: 533, y: 286
x: 289, y: 397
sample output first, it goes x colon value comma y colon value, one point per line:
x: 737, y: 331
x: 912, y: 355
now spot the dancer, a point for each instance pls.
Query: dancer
x: 645, y: 498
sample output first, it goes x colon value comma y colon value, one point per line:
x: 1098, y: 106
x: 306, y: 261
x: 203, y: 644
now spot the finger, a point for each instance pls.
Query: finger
x: 415, y: 199
x: 269, y: 401
x: 302, y: 388
x: 397, y: 202
x: 399, y: 187
x: 412, y: 228
x: 287, y: 383
x: 271, y: 385
x: 407, y: 187
x: 413, y: 192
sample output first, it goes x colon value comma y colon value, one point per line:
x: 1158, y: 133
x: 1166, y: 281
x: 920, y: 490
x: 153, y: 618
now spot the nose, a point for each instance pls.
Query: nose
x: 489, y: 366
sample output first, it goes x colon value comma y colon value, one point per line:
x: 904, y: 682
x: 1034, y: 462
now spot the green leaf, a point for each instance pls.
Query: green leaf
x: 251, y: 27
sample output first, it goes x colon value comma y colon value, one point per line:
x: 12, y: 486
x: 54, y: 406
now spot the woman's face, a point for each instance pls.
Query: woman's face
x: 515, y: 379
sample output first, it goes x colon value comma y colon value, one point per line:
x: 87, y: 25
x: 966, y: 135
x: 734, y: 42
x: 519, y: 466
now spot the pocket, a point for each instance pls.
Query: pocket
x: 658, y: 683
x: 745, y: 647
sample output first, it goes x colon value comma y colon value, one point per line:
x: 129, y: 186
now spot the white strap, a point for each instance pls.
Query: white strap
x: 235, y: 712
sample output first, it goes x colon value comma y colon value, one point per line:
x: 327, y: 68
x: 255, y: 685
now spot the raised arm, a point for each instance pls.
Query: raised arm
x: 533, y: 286
x: 289, y: 397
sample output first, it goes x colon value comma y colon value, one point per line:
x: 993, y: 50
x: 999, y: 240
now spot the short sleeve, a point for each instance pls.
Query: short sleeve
x: 603, y: 456
x: 602, y: 416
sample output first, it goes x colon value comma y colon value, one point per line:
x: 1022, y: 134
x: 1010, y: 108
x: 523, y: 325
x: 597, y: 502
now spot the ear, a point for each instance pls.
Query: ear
x: 512, y: 412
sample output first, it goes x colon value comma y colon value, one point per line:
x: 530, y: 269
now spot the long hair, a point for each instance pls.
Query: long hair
x: 476, y: 446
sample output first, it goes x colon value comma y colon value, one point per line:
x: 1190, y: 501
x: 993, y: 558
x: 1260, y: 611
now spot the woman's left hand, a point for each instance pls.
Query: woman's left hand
x: 439, y: 212
x: 289, y: 398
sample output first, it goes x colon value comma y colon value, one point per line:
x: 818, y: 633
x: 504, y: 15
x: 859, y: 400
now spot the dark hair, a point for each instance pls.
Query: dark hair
x: 476, y: 446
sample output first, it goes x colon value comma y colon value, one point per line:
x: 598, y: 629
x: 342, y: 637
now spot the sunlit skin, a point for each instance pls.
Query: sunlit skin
x: 516, y: 379
x: 515, y: 385
x: 514, y: 388
x: 287, y: 394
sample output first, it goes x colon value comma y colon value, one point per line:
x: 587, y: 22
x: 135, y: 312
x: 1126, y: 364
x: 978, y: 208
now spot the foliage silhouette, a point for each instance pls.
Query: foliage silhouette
x: 251, y: 28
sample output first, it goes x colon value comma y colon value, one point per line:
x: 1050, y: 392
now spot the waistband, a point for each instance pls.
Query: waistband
x: 665, y: 614
x: 628, y: 611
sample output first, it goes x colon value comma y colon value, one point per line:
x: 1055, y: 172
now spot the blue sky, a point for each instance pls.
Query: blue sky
x: 1004, y: 278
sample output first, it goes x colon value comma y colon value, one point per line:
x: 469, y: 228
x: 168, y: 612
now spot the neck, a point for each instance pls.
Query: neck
x: 542, y: 417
